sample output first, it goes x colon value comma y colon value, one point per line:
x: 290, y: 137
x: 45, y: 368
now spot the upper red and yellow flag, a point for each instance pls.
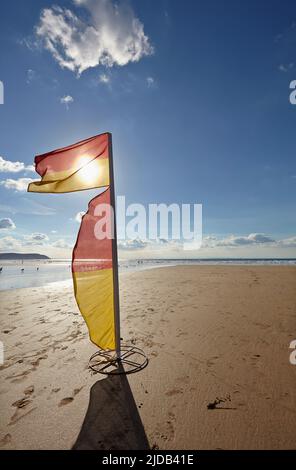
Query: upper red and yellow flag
x: 80, y: 166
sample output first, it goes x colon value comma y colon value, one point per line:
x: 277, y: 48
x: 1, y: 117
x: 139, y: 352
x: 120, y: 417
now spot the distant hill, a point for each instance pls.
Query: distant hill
x: 22, y: 256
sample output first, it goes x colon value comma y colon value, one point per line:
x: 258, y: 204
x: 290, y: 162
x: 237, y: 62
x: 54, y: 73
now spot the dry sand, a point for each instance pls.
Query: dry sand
x: 219, y: 375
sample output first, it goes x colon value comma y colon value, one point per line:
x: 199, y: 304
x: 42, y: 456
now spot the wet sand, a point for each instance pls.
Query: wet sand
x: 219, y: 375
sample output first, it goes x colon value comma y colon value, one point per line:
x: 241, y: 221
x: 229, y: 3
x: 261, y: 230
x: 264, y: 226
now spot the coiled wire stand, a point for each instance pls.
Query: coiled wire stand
x: 131, y: 360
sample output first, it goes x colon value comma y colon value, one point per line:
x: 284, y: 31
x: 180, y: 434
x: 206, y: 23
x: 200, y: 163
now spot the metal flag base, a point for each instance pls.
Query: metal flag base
x: 131, y: 360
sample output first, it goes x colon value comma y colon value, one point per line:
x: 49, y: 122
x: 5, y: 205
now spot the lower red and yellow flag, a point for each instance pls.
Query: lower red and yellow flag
x: 92, y: 269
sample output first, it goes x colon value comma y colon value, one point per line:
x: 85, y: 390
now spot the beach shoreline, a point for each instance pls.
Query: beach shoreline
x: 219, y: 376
x: 39, y: 273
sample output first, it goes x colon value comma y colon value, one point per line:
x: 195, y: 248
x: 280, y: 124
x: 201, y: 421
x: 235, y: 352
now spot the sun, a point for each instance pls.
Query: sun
x: 90, y: 171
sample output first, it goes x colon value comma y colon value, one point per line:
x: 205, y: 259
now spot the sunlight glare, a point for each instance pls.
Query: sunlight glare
x: 90, y: 172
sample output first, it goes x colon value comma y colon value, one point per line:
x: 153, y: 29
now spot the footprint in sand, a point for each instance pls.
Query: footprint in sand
x: 167, y: 430
x: 216, y: 404
x: 21, y: 403
x: 181, y: 333
x: 67, y: 400
x: 18, y: 377
x: 21, y: 406
x: 184, y: 379
x: 5, y: 440
x: 6, y: 332
x: 262, y: 325
x: 174, y: 391
x: 29, y: 390
x: 37, y: 361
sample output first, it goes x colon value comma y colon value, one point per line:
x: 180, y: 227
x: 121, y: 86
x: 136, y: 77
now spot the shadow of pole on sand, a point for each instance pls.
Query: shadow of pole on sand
x: 112, y: 421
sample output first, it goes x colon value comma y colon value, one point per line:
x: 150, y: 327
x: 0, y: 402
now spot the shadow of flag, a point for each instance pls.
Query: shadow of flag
x: 112, y: 421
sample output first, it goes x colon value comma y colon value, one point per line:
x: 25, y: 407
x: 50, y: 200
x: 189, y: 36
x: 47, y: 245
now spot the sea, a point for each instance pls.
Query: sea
x: 36, y: 273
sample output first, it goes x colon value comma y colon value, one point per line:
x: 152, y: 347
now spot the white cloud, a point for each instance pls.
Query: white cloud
x: 112, y: 35
x: 6, y: 166
x: 286, y: 68
x: 20, y: 184
x: 53, y: 231
x: 67, y: 100
x: 104, y: 78
x: 135, y: 244
x: 79, y: 216
x: 260, y: 238
x: 10, y: 243
x: 35, y: 239
x: 232, y: 240
x: 150, y: 82
x: 38, y: 236
x: 61, y: 243
x: 7, y: 224
x: 29, y: 42
x: 31, y: 76
x: 213, y: 247
x: 288, y: 242
x: 25, y: 205
x: 153, y: 245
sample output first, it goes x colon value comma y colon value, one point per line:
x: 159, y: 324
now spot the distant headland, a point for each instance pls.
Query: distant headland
x: 17, y: 256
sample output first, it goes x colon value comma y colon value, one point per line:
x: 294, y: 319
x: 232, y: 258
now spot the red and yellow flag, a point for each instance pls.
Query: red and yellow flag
x: 92, y: 268
x: 80, y: 166
x: 85, y: 165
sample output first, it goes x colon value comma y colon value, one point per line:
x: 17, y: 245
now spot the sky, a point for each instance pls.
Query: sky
x: 196, y: 95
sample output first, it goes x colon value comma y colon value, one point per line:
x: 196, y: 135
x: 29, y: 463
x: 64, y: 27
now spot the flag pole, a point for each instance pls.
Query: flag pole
x: 128, y: 359
x: 114, y: 253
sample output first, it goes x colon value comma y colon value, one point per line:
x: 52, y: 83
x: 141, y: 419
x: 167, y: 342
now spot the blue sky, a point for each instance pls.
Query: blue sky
x: 198, y: 107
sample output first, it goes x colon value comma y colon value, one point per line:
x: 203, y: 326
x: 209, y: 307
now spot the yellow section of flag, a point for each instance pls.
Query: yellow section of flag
x: 94, y: 295
x: 92, y: 174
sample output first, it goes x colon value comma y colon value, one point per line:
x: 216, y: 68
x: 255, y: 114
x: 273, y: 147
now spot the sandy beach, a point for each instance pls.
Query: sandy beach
x: 219, y: 375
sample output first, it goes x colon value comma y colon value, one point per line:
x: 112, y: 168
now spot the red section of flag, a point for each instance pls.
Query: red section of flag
x: 70, y: 157
x: 90, y: 253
